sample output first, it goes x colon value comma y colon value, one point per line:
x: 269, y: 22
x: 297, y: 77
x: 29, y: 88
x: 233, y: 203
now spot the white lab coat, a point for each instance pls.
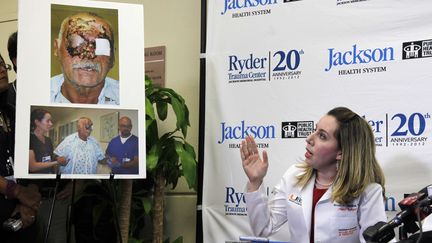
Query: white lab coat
x: 427, y: 223
x: 334, y: 223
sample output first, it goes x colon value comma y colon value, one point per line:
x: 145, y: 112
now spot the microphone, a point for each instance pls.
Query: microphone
x: 383, y: 232
x: 418, y: 203
x: 426, y: 202
x: 410, y: 208
x: 380, y: 232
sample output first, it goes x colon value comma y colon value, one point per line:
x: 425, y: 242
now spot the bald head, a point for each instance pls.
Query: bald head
x: 125, y: 126
x: 84, y: 127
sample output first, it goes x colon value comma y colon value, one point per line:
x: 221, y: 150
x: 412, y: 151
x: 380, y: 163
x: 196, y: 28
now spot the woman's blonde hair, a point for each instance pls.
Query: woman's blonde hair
x: 358, y: 166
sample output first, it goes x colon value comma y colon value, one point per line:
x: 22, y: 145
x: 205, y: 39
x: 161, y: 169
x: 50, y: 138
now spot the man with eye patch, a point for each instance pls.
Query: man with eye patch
x: 81, y: 150
x: 85, y: 51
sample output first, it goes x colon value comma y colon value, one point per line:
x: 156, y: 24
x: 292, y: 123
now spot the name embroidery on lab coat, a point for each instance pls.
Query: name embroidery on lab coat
x: 346, y: 208
x: 295, y: 199
x: 347, y: 232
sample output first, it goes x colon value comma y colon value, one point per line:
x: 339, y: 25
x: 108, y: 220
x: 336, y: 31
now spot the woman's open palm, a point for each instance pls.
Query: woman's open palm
x: 254, y: 167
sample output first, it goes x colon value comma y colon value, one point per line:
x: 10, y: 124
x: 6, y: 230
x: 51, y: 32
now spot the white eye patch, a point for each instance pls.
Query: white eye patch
x: 103, y: 47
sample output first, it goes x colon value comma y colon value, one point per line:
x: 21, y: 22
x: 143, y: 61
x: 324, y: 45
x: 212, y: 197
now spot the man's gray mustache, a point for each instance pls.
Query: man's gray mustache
x: 87, y: 65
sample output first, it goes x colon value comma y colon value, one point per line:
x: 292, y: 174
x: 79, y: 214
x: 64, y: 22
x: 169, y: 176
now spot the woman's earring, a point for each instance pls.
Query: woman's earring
x: 337, y: 165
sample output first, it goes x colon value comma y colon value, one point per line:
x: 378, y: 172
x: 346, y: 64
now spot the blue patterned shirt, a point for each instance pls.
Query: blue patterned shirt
x: 82, y: 156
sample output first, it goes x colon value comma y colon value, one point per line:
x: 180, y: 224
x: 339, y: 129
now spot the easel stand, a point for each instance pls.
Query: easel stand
x: 70, y: 212
x: 52, y: 208
x: 114, y: 196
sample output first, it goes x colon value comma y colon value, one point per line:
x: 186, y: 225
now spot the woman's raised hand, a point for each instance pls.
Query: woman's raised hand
x: 254, y: 167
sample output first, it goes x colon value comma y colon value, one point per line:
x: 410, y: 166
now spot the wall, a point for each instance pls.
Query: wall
x: 176, y: 25
x: 8, y: 24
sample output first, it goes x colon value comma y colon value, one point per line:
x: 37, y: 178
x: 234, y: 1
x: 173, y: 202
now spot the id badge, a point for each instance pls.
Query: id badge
x: 46, y: 158
x: 10, y: 178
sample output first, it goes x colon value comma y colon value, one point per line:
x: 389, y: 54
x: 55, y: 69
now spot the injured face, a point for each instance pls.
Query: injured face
x: 85, y: 50
x: 87, y: 38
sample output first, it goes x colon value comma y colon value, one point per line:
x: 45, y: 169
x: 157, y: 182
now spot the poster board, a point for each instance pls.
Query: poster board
x: 116, y: 63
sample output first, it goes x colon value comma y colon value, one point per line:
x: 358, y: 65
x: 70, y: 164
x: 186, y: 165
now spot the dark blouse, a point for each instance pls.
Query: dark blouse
x: 43, y: 151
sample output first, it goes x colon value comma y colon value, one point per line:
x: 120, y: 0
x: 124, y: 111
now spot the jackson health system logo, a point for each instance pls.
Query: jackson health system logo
x: 346, y: 61
x: 253, y: 67
x: 234, y: 133
x: 247, y: 8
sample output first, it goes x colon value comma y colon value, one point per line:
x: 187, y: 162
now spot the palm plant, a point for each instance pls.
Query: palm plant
x: 169, y: 156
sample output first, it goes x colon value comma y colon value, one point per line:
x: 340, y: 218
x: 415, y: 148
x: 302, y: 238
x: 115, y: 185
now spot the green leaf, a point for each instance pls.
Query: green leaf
x: 147, y: 204
x: 162, y: 110
x: 148, y: 123
x: 187, y: 115
x: 149, y: 109
x: 175, y: 94
x: 190, y: 149
x: 167, y: 136
x: 153, y: 157
x: 178, y: 147
x: 151, y: 134
x: 178, y: 240
x: 148, y: 82
x: 178, y: 108
x: 179, y: 111
x: 172, y: 172
x: 189, y: 165
x: 184, y: 129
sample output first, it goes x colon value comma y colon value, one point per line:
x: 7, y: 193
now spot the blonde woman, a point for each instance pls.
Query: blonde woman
x: 332, y: 197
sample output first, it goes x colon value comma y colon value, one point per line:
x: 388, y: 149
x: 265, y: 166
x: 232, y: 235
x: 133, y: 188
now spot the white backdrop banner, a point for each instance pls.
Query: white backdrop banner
x: 274, y: 67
